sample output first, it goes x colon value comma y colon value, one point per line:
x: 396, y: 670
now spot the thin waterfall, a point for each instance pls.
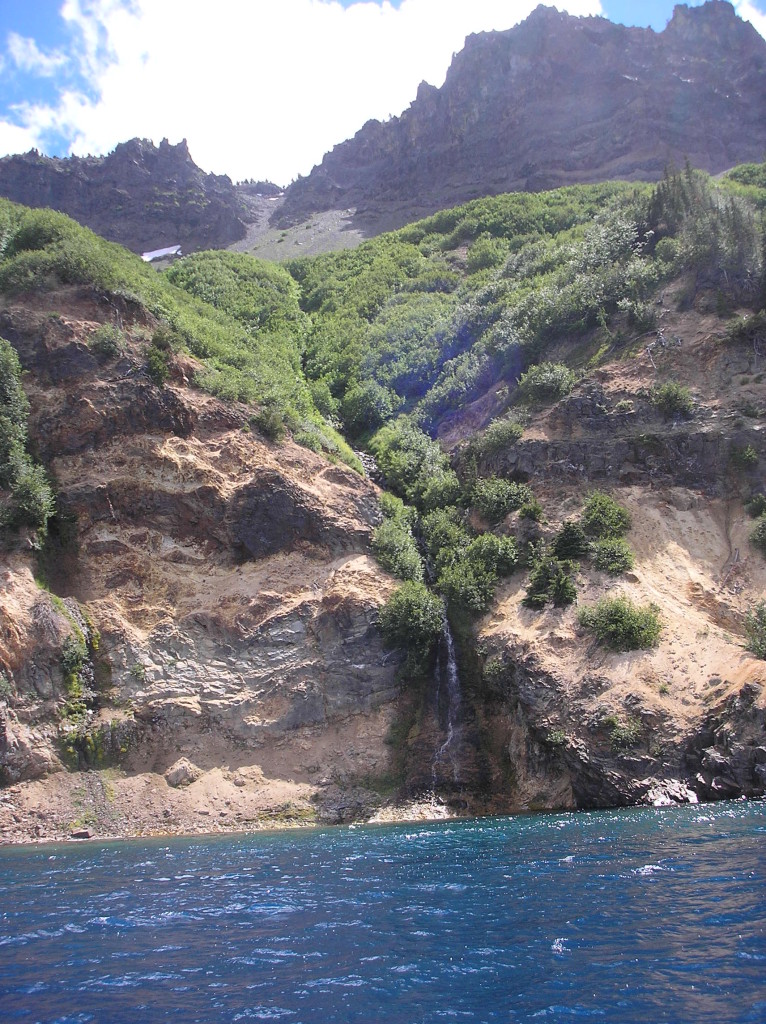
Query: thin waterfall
x: 448, y: 703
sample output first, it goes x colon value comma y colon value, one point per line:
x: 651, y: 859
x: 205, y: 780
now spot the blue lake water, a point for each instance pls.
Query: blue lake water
x: 631, y: 916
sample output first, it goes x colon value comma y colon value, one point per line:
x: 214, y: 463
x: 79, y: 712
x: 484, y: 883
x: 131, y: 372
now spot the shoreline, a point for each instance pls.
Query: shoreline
x: 295, y: 826
x: 406, y: 814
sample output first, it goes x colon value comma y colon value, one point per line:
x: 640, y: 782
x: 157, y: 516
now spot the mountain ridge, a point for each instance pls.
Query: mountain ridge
x: 140, y: 195
x: 555, y: 100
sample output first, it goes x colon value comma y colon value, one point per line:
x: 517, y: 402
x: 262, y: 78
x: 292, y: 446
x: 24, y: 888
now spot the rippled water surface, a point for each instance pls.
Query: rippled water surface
x: 632, y: 916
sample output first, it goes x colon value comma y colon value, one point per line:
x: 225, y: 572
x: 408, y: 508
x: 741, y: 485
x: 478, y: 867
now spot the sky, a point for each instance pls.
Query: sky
x: 259, y: 88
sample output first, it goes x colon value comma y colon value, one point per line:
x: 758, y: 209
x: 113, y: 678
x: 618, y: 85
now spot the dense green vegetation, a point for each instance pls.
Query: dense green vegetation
x: 603, y: 517
x: 26, y: 498
x: 551, y: 579
x: 621, y: 625
x: 673, y: 399
x: 433, y: 328
x: 748, y: 181
x: 755, y: 629
x: 239, y: 316
x: 612, y: 555
x: 756, y: 505
x: 413, y: 618
x: 517, y: 295
x: 393, y: 543
x: 758, y: 533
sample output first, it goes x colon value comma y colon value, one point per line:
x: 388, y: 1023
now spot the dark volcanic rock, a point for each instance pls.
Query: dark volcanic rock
x: 142, y: 196
x: 270, y: 515
x: 555, y: 101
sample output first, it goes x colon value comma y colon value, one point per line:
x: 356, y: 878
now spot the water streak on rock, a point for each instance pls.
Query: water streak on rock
x: 448, y: 707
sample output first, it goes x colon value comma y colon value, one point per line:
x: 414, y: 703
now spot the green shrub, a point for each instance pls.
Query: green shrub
x: 14, y: 410
x: 494, y: 497
x: 532, y: 509
x: 495, y: 671
x: 32, y: 501
x: 623, y: 733
x: 755, y: 628
x: 309, y: 439
x: 467, y: 584
x: 166, y: 338
x: 269, y: 420
x: 570, y: 541
x: 622, y: 626
x: 74, y: 653
x: 625, y: 405
x: 157, y: 364
x: 641, y: 315
x: 666, y: 250
x: 550, y: 580
x: 496, y: 555
x: 603, y: 517
x: 29, y: 500
x: 498, y: 437
x: 394, y: 509
x: 486, y: 252
x: 442, y: 489
x: 323, y: 399
x: 414, y: 465
x: 444, y: 534
x: 395, y: 549
x: 367, y: 405
x: 613, y: 555
x: 412, y: 618
x: 673, y: 399
x: 756, y: 505
x: 744, y: 458
x: 748, y: 330
x: 758, y: 533
x: 6, y: 687
x: 546, y: 382
x: 107, y: 341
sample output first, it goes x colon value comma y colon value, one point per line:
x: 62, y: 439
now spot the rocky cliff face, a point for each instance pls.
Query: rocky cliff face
x: 555, y: 101
x: 235, y: 676
x: 230, y: 586
x: 589, y: 727
x: 142, y: 196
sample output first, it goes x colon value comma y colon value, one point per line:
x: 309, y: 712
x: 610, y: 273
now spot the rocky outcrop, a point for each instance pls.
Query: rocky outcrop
x: 230, y: 588
x: 143, y: 196
x: 235, y: 676
x: 691, y: 456
x: 568, y: 744
x: 556, y: 100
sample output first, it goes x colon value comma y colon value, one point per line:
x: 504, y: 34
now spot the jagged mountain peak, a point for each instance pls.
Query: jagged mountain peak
x: 140, y: 195
x: 556, y: 100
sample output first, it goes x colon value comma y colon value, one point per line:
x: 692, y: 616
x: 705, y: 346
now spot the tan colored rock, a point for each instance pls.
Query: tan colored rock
x: 182, y: 773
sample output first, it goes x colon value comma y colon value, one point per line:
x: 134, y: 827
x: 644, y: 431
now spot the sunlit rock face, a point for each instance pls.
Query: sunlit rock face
x: 557, y: 100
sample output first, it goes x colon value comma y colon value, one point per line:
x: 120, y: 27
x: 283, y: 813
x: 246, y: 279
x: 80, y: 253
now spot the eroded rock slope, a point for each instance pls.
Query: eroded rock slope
x: 229, y: 583
x: 234, y: 675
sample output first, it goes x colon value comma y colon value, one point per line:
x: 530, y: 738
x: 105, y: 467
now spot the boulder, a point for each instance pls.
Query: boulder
x: 182, y: 773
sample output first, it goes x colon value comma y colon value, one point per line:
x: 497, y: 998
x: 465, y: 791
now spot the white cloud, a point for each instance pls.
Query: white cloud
x: 26, y: 55
x: 749, y: 12
x: 260, y: 89
x: 14, y: 139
